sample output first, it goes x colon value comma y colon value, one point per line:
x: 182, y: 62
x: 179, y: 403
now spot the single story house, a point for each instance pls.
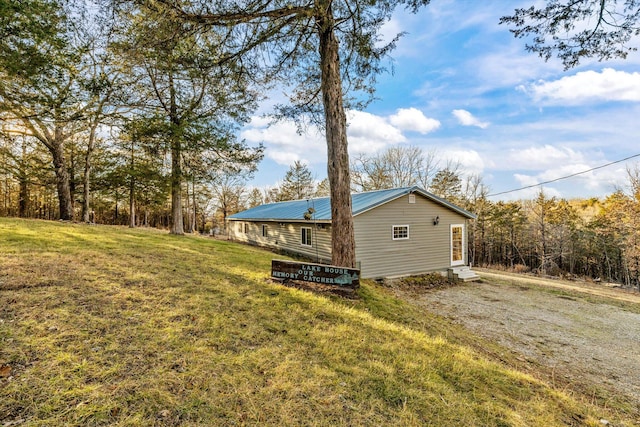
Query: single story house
x: 398, y: 232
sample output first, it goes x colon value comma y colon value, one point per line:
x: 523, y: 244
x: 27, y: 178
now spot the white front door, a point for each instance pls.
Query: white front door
x: 457, y: 244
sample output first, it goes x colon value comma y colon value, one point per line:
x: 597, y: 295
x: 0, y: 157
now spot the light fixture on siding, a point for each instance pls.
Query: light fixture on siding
x: 436, y: 220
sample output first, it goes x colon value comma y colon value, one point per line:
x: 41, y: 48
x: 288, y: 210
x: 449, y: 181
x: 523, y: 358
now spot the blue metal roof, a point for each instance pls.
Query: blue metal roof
x: 361, y: 202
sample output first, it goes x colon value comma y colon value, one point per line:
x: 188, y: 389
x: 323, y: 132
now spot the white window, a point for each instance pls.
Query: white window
x: 412, y: 198
x: 400, y: 232
x: 305, y: 236
x: 265, y: 230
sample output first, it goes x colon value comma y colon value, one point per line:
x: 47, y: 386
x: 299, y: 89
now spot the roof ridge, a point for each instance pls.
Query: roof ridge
x: 352, y: 194
x: 361, y: 202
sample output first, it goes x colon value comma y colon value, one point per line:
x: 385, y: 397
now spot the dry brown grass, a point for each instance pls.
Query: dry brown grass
x: 112, y: 326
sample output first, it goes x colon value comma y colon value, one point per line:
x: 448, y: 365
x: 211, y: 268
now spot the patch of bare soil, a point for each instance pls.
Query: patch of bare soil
x: 320, y: 288
x: 583, y: 340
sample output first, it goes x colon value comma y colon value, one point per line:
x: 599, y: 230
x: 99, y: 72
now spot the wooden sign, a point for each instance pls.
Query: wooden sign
x: 317, y: 273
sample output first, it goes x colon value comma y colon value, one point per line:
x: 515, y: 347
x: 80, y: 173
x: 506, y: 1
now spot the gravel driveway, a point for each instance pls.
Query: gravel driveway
x: 585, y: 339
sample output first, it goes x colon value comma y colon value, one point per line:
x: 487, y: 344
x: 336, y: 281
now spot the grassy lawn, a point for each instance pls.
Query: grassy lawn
x: 116, y: 326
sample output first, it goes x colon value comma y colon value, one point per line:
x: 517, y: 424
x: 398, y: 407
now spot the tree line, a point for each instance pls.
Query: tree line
x: 595, y: 238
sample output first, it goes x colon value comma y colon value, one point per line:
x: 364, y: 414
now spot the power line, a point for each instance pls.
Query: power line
x: 564, y: 177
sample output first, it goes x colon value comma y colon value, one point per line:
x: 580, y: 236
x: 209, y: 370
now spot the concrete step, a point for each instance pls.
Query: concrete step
x: 463, y: 274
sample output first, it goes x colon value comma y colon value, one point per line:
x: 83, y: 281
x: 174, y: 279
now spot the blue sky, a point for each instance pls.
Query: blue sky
x: 465, y: 88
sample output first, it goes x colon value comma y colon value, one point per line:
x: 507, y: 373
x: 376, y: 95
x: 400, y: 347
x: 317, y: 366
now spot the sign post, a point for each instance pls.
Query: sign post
x: 315, y: 273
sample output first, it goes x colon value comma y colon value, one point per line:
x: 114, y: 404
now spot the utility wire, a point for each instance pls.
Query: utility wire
x: 564, y: 177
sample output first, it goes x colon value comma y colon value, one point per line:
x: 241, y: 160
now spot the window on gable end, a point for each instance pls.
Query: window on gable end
x: 400, y: 232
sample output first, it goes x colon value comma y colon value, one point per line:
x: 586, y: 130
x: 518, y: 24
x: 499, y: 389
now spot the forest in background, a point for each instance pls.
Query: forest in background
x: 592, y: 238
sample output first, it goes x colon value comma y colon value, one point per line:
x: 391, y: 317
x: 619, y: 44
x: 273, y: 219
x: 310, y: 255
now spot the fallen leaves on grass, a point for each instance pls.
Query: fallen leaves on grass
x: 5, y: 371
x: 420, y: 283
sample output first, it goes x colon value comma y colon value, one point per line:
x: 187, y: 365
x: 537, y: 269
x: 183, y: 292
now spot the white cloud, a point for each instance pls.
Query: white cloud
x: 283, y: 143
x: 469, y: 160
x: 366, y: 133
x: 465, y: 118
x: 369, y: 133
x: 562, y: 180
x: 532, y: 189
x: 526, y: 180
x: 412, y: 119
x: 607, y: 85
x: 509, y: 65
x: 542, y: 157
x: 389, y: 31
x: 565, y: 171
x: 283, y: 157
x: 560, y: 167
x: 599, y: 181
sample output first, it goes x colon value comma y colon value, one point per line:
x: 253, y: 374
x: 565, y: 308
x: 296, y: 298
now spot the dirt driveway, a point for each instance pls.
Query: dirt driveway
x: 585, y: 339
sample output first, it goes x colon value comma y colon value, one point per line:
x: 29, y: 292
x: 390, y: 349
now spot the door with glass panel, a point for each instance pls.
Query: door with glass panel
x: 457, y: 244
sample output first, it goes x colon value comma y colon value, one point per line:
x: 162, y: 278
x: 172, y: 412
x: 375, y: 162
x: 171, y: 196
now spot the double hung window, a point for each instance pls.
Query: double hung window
x: 305, y: 236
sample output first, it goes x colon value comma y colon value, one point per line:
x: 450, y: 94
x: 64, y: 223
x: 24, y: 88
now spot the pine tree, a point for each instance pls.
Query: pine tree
x: 298, y: 183
x: 447, y: 184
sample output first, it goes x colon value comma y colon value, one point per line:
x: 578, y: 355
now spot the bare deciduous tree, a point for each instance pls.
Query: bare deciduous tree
x: 400, y: 166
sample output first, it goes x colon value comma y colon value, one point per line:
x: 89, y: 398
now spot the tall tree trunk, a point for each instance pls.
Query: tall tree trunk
x: 23, y: 179
x: 86, y: 177
x: 132, y: 190
x: 194, y: 218
x: 187, y: 209
x: 23, y: 199
x: 132, y: 203
x: 177, y: 224
x: 62, y: 176
x: 115, y: 217
x: 343, y: 251
x: 72, y: 176
x: 6, y: 196
x: 86, y: 191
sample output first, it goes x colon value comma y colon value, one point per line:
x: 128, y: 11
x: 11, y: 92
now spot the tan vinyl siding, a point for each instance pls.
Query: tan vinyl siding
x: 426, y: 249
x: 285, y: 237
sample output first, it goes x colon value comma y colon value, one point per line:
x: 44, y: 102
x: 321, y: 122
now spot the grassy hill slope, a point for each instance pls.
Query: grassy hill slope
x: 116, y: 326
